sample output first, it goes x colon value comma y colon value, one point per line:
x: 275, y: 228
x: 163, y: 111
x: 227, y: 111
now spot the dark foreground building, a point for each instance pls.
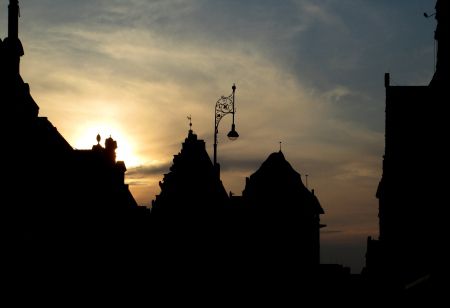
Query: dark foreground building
x: 407, y: 257
x: 284, y: 213
x: 64, y: 212
x: 69, y: 224
x: 189, y: 219
x: 265, y: 242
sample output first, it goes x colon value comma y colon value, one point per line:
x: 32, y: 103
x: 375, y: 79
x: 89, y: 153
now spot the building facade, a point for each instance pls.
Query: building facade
x: 411, y: 192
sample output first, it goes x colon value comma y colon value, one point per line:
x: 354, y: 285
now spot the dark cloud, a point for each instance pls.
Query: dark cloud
x: 142, y: 172
x: 330, y: 231
x: 171, y: 54
x: 324, y: 45
x: 245, y: 164
x: 137, y: 183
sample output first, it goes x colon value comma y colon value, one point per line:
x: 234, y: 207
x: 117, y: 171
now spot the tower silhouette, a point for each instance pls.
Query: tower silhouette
x: 405, y: 257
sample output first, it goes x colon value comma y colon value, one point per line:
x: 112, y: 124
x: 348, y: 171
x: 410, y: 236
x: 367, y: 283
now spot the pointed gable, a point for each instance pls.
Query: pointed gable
x: 192, y: 184
x: 277, y: 185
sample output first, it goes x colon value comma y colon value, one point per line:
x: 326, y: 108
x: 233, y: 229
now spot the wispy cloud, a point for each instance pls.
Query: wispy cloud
x: 309, y: 74
x: 145, y: 171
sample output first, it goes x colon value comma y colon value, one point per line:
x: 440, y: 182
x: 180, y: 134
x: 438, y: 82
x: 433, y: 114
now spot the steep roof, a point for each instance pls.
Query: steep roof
x: 276, y: 167
x: 192, y: 180
x: 276, y: 182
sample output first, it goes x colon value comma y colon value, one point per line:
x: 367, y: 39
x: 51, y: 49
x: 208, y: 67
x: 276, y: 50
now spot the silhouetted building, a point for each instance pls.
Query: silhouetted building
x: 188, y: 218
x: 411, y: 191
x: 64, y: 212
x: 441, y: 77
x: 270, y: 232
x: 285, y: 213
x: 191, y: 188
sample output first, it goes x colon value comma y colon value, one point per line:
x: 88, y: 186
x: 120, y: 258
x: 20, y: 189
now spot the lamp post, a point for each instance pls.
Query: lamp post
x: 224, y: 106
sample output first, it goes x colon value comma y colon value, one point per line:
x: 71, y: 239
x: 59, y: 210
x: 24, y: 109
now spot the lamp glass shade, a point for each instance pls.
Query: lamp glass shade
x: 233, y: 134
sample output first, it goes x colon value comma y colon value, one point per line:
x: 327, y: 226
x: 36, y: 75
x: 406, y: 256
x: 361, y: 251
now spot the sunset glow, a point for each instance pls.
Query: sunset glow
x: 125, y: 148
x: 308, y: 73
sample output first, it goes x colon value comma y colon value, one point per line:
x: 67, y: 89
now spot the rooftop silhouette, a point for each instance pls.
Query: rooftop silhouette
x: 68, y: 216
x: 68, y: 213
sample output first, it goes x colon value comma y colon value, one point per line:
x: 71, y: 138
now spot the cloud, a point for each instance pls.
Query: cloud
x: 330, y: 231
x: 244, y: 164
x: 137, y: 183
x: 142, y: 172
x: 309, y: 74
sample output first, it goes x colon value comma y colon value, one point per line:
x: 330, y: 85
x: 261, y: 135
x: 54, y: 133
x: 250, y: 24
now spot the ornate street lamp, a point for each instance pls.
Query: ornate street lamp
x: 224, y: 106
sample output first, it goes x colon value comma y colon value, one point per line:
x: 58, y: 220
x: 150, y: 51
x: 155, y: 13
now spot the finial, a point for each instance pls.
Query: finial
x: 190, y: 122
x: 280, y: 145
x: 233, y: 87
x: 99, y: 138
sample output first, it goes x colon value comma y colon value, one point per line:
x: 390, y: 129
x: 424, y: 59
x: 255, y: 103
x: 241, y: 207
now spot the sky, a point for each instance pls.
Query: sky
x: 309, y: 73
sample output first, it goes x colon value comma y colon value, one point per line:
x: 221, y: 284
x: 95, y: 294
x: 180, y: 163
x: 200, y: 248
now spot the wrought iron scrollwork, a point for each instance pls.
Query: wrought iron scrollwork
x: 224, y: 106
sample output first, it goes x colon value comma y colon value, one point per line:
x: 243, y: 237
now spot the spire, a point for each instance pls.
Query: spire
x: 190, y: 124
x: 442, y: 36
x: 13, y: 19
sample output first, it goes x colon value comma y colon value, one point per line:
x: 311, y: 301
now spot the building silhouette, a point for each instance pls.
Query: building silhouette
x: 191, y: 188
x: 405, y: 258
x: 270, y: 233
x: 72, y: 218
x: 285, y: 213
x: 64, y: 212
x: 276, y: 212
x: 188, y: 220
x: 67, y: 215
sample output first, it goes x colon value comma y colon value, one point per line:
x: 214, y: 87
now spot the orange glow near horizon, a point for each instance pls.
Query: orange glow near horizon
x: 86, y: 138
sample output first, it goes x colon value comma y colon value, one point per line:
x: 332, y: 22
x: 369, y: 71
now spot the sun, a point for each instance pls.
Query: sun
x: 126, y: 151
